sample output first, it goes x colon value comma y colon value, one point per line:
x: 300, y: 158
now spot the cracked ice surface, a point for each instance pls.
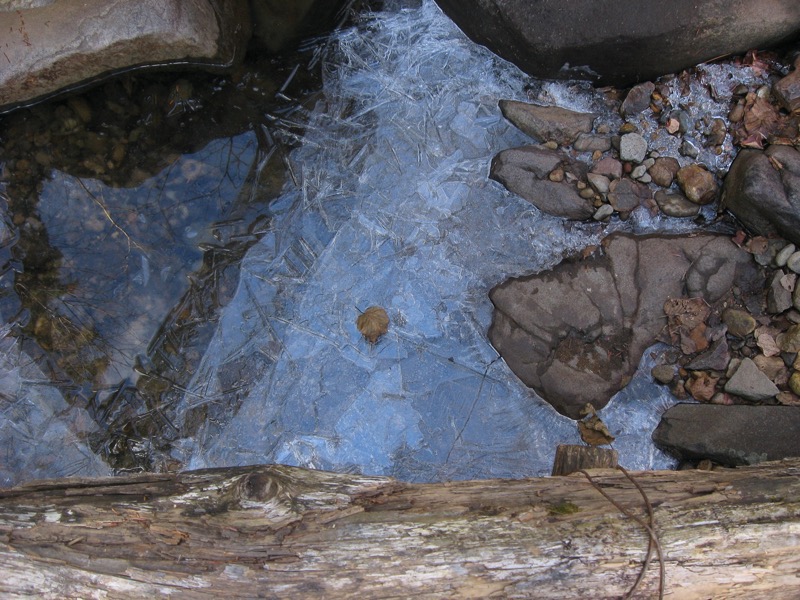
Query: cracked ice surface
x: 393, y: 207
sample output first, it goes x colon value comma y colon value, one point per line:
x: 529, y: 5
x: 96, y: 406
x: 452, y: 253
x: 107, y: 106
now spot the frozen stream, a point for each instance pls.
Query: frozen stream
x: 389, y: 205
x: 393, y: 208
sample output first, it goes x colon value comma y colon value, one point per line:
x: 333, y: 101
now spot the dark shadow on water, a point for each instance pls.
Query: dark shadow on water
x: 127, y: 211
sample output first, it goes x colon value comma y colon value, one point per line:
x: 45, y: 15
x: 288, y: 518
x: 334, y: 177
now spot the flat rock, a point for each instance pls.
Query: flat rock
x: 751, y: 383
x: 69, y: 42
x: 621, y: 42
x: 524, y: 171
x: 664, y: 170
x: 625, y: 195
x: 576, y: 333
x: 546, y: 123
x: 676, y: 205
x: 762, y: 189
x: 730, y: 435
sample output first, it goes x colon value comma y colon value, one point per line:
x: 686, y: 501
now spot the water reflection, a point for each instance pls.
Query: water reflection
x: 127, y: 210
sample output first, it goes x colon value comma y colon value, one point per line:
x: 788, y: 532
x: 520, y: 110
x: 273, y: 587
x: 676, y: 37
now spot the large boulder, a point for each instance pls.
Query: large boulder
x: 620, y: 42
x: 49, y: 46
x: 576, y: 333
x: 762, y: 189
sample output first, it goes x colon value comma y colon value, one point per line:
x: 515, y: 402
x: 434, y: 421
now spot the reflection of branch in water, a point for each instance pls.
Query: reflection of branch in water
x: 111, y: 220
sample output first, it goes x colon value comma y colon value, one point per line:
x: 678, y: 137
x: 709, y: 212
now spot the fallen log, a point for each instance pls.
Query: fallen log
x: 285, y: 532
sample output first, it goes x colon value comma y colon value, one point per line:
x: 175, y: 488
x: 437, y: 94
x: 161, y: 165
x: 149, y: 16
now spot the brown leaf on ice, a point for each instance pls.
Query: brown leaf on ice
x: 373, y: 323
x: 594, y: 432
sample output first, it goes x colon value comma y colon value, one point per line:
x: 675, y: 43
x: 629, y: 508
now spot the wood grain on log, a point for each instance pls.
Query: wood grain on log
x: 284, y: 532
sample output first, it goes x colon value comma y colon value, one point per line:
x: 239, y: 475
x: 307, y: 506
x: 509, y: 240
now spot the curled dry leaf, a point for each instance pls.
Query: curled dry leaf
x: 373, y: 323
x: 594, y: 432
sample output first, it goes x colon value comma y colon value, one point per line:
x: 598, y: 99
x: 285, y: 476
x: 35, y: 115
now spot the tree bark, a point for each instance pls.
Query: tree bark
x: 284, y: 532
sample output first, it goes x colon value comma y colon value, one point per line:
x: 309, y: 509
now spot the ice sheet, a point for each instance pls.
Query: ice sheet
x: 41, y: 436
x: 393, y: 207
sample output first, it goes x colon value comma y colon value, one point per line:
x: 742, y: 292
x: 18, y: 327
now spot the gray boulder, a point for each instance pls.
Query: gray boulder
x: 526, y: 172
x: 621, y: 42
x: 576, y: 333
x: 66, y: 43
x: 762, y: 189
x: 730, y: 435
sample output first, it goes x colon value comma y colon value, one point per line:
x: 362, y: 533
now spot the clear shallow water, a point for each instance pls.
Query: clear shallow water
x: 203, y: 312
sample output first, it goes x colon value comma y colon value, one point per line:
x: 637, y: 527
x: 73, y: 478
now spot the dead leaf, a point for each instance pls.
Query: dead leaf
x: 594, y: 432
x: 686, y: 323
x: 765, y: 338
x: 702, y: 385
x: 373, y: 323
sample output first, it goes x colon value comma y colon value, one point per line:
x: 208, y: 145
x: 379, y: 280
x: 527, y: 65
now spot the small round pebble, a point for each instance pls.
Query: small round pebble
x: 739, y: 323
x: 603, y: 212
x: 783, y: 256
x: 663, y: 373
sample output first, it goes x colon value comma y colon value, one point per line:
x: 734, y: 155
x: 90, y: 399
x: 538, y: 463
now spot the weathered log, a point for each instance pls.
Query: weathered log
x: 283, y: 532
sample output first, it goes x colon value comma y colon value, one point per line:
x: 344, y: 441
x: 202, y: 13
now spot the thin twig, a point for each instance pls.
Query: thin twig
x: 653, y: 537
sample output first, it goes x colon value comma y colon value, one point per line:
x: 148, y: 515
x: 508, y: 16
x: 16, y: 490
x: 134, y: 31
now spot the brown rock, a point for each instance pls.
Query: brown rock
x: 610, y: 167
x: 664, y: 170
x: 663, y: 373
x: 761, y: 189
x: 787, y: 91
x: 67, y: 42
x: 697, y: 184
x: 547, y: 123
x: 637, y: 100
x: 526, y: 172
x: 576, y: 333
x: 625, y: 195
x: 676, y: 205
x: 739, y: 323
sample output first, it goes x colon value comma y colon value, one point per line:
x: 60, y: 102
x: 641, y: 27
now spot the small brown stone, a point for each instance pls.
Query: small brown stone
x: 664, y: 170
x: 739, y: 323
x: 697, y: 184
x: 663, y: 373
